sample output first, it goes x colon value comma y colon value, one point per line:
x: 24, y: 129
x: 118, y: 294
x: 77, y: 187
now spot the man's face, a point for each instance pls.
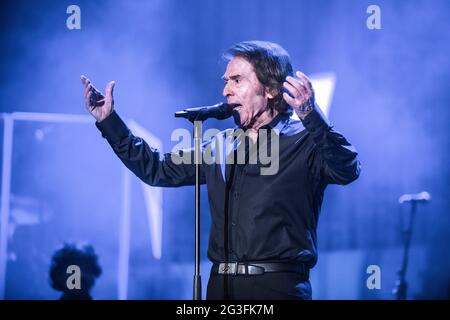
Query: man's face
x: 243, y: 88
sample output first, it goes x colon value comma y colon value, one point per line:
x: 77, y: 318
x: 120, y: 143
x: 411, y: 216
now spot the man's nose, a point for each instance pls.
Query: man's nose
x: 226, y: 91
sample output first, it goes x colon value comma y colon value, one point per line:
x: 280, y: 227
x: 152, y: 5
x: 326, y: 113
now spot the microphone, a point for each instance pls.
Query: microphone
x: 418, y: 197
x: 219, y: 111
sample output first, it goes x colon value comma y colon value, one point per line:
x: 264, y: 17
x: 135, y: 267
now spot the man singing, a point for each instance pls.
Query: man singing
x: 263, y: 238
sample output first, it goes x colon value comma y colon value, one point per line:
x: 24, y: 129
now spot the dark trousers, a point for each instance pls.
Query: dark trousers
x: 269, y: 286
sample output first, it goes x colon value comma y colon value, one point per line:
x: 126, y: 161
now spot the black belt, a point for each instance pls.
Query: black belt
x: 259, y: 268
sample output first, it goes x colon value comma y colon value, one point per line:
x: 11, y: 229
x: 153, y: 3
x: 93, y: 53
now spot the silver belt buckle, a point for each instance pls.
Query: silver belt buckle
x: 228, y: 268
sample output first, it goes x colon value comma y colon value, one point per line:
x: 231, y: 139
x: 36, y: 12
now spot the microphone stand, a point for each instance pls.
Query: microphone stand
x: 197, y: 293
x: 401, y: 284
x: 196, y: 116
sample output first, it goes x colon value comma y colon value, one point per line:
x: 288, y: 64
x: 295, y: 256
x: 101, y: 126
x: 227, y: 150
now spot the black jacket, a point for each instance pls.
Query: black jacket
x: 254, y: 216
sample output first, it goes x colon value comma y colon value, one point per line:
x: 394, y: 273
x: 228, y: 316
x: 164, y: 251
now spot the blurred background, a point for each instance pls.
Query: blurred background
x: 62, y: 183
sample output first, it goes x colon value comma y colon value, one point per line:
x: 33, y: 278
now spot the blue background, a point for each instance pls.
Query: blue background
x: 391, y: 101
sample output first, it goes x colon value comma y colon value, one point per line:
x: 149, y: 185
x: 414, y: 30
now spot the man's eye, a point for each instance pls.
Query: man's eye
x: 237, y: 81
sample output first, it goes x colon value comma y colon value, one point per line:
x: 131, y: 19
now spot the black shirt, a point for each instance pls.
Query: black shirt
x: 255, y: 216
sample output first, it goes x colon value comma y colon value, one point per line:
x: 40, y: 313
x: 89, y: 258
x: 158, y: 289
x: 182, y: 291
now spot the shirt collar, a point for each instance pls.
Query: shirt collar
x: 284, y: 123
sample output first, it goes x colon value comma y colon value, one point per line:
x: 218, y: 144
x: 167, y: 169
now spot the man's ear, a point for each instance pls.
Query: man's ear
x: 271, y: 92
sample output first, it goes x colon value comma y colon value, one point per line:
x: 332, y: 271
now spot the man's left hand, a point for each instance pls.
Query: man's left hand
x: 301, y: 97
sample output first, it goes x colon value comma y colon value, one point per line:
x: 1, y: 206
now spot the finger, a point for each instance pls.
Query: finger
x: 307, y: 86
x: 302, y: 76
x: 83, y: 79
x: 109, y: 89
x: 87, y: 89
x: 88, y: 98
x: 305, y: 80
x: 86, y: 83
x: 290, y: 101
x: 292, y: 90
x: 298, y: 84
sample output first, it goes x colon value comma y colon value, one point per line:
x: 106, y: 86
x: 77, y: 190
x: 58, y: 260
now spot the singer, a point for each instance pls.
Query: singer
x: 263, y: 238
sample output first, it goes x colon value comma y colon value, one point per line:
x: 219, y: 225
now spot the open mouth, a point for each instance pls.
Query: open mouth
x: 235, y: 106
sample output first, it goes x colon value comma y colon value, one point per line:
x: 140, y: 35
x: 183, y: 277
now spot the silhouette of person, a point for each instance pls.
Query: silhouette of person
x: 70, y: 261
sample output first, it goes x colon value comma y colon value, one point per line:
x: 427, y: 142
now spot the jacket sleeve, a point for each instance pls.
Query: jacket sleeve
x: 337, y: 158
x: 148, y: 164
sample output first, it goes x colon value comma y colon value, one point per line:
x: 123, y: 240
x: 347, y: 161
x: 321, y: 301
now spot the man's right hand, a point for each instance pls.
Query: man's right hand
x: 103, y: 106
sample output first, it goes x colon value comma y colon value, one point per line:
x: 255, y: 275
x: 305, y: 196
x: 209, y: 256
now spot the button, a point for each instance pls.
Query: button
x: 233, y: 223
x: 236, y: 194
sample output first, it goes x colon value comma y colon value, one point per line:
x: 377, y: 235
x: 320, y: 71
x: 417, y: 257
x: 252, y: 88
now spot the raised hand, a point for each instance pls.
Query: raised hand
x: 301, y: 97
x: 97, y: 104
